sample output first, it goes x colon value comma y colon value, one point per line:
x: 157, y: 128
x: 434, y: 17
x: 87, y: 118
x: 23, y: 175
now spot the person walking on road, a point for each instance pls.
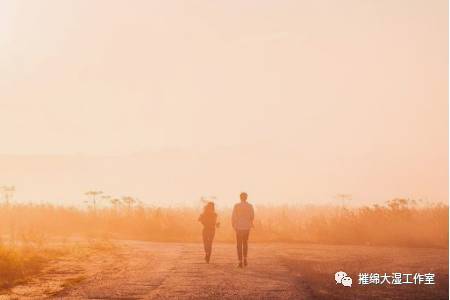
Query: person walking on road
x: 242, y: 221
x: 209, y: 221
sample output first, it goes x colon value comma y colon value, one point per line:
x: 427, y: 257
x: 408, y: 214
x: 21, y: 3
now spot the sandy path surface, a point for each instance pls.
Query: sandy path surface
x: 145, y: 270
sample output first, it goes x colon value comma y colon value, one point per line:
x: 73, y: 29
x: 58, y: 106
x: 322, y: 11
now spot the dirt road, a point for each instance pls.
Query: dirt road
x: 143, y: 270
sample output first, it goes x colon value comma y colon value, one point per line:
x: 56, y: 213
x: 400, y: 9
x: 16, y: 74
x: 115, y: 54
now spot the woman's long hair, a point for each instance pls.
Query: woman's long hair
x: 209, y: 209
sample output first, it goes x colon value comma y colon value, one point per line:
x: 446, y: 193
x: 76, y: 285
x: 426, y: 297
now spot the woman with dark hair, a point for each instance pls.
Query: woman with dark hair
x: 209, y: 220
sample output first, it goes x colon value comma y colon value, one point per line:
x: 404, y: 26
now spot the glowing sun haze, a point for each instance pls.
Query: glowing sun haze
x: 293, y: 101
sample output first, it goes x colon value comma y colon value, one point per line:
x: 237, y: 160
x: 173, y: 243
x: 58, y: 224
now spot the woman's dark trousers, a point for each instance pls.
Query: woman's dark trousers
x: 208, y: 237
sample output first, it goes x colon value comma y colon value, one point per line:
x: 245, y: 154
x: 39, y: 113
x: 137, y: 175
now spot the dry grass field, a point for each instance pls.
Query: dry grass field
x: 400, y: 222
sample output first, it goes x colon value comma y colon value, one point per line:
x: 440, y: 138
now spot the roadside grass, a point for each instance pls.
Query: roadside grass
x: 18, y: 263
x: 24, y: 259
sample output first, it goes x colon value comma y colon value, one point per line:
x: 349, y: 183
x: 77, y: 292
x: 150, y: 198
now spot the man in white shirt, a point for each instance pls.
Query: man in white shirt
x: 242, y: 220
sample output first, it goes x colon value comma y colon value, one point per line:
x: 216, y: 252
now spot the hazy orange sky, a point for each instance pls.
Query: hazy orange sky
x: 322, y: 97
